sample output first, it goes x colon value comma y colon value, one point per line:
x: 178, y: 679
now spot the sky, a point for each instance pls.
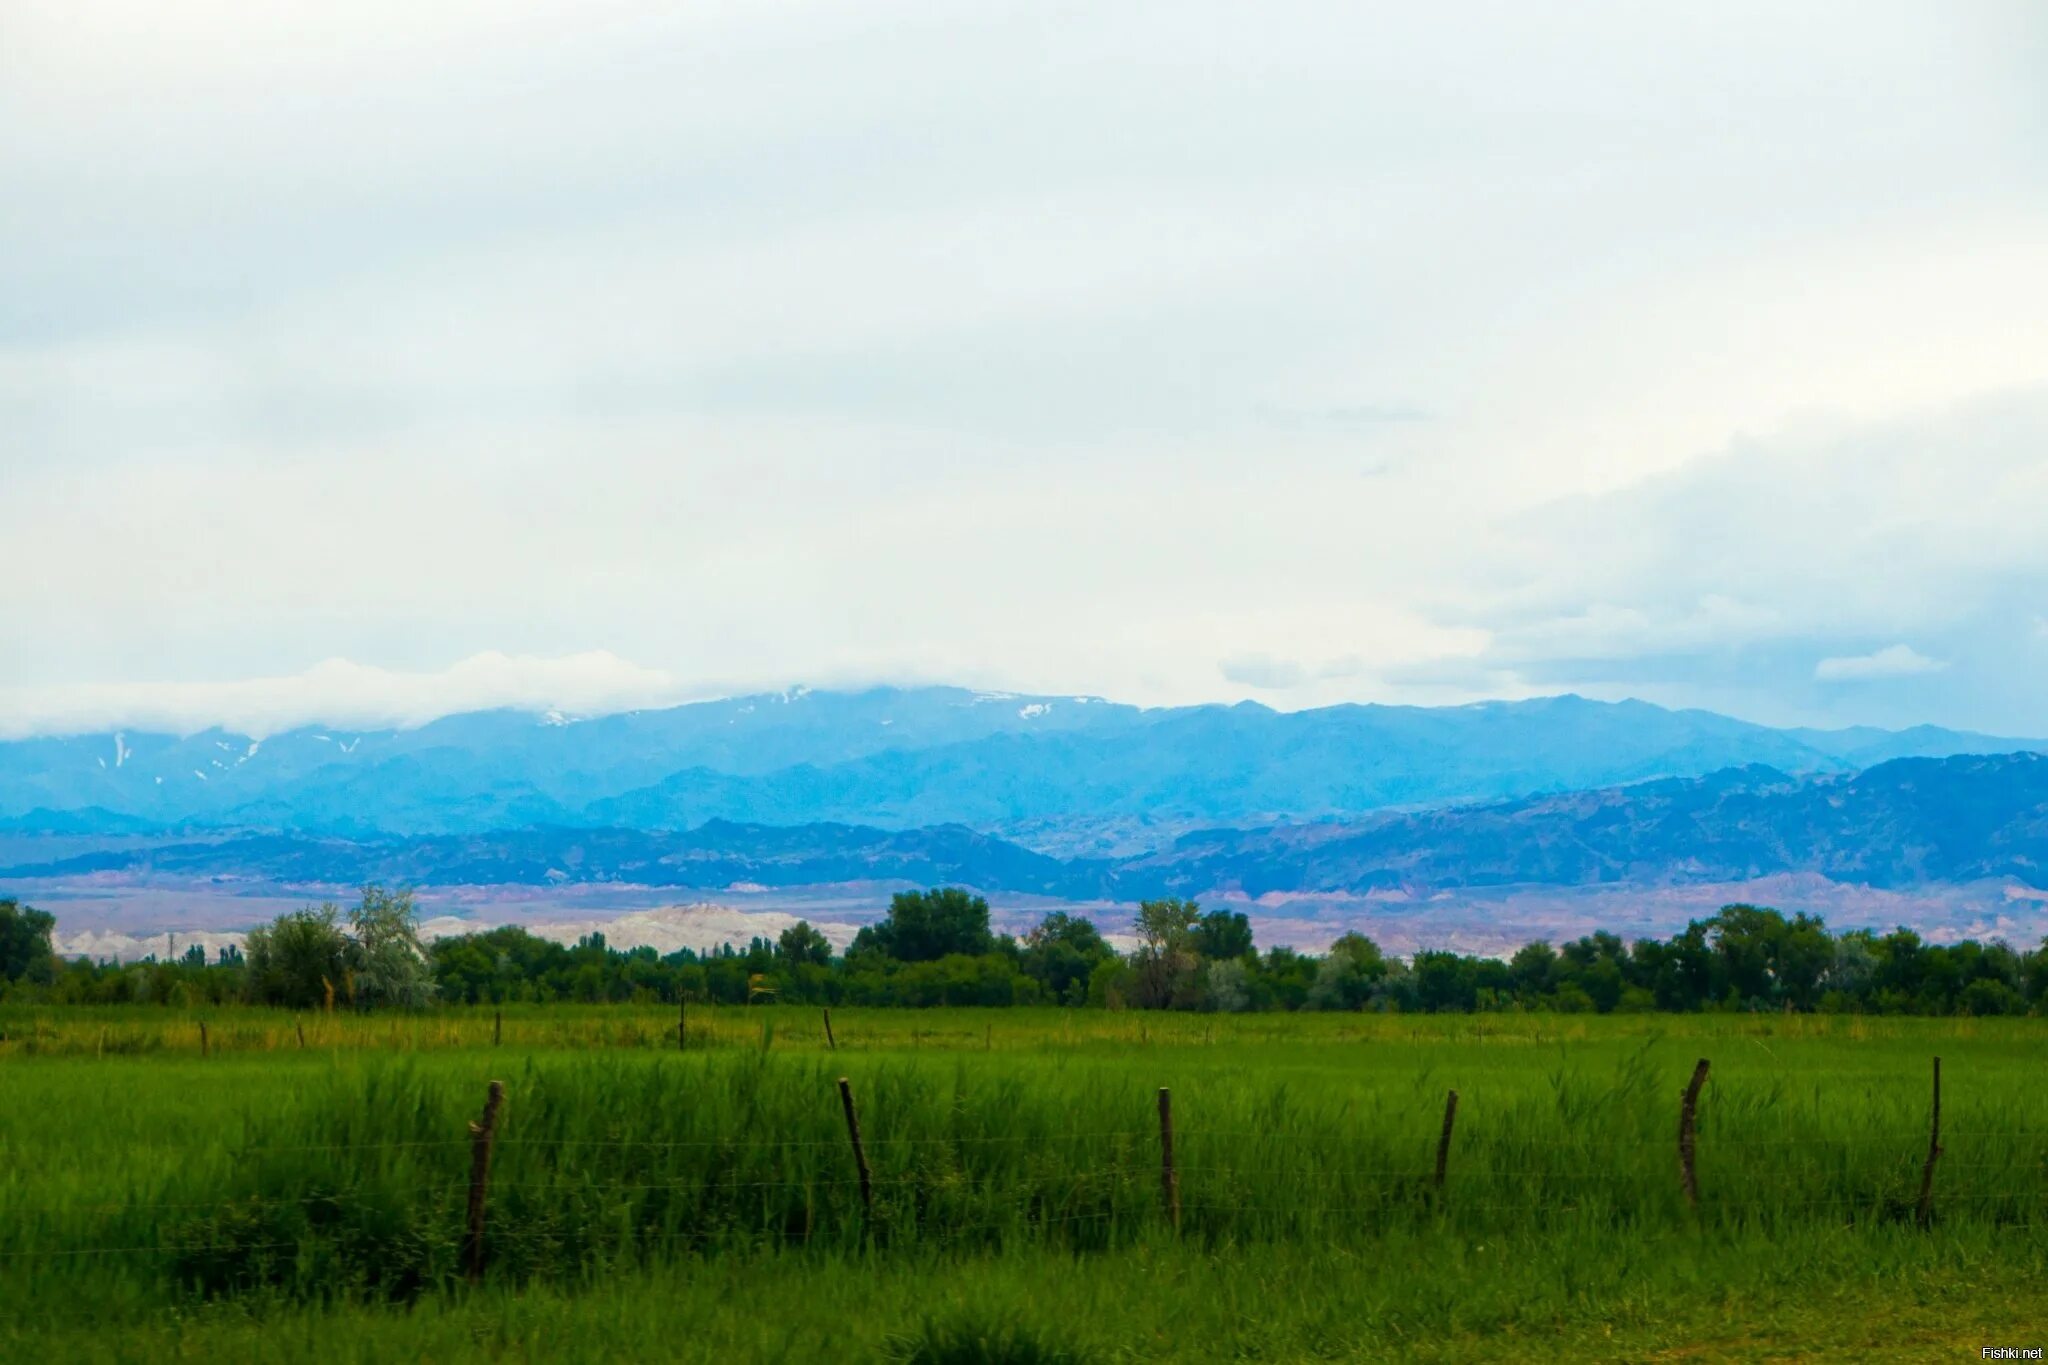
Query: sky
x: 374, y: 361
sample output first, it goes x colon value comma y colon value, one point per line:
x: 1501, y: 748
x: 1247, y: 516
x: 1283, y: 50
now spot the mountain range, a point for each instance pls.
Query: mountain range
x: 1900, y: 824
x: 1033, y: 767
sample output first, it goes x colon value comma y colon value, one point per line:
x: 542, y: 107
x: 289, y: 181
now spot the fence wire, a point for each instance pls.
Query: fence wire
x: 1012, y: 1206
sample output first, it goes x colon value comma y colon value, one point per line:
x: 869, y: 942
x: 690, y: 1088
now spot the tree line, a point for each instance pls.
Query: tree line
x: 937, y: 947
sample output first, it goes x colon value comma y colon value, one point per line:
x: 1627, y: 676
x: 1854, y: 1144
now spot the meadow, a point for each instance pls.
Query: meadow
x: 300, y: 1186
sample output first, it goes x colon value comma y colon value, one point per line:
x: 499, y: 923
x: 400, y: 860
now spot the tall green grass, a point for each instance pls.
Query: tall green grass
x: 1810, y: 1294
x: 272, y: 1179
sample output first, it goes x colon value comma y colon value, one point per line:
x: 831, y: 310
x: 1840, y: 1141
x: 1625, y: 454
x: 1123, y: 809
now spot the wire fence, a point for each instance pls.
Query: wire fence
x: 1141, y: 1180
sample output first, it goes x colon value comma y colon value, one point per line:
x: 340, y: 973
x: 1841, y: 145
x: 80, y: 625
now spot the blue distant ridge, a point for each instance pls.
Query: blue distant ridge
x: 903, y: 758
x: 1902, y: 824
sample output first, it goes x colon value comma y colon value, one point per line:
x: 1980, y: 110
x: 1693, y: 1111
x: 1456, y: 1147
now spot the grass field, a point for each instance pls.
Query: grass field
x: 267, y: 1199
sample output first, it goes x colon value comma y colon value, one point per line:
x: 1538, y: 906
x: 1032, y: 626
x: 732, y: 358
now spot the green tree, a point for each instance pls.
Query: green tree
x: 1750, y: 941
x: 924, y: 926
x: 801, y: 945
x: 1109, y: 984
x: 25, y: 952
x: 1445, y: 982
x: 1805, y: 955
x: 1284, y: 978
x: 299, y: 960
x: 1163, y: 968
x: 2034, y: 973
x: 1349, y: 974
x: 1229, y: 986
x: 1987, y: 995
x: 1603, y: 984
x: 1693, y: 974
x: 1061, y: 954
x: 1900, y: 971
x: 1851, y: 970
x: 1533, y: 969
x: 1223, y: 936
x: 392, y: 968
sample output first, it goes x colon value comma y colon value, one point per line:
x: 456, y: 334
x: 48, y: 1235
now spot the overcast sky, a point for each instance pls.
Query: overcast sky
x: 408, y: 355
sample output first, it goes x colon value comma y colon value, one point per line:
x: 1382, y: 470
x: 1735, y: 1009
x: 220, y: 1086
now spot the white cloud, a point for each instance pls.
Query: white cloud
x: 1269, y: 673
x: 1263, y: 671
x: 342, y: 694
x: 1893, y: 661
x: 1605, y: 630
x: 917, y: 341
x: 1721, y: 582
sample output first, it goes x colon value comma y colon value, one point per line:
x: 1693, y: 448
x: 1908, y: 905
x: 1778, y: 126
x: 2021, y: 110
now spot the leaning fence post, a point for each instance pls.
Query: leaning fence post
x: 860, y: 1157
x: 1169, y: 1181
x: 302, y: 1036
x: 481, y: 1135
x: 830, y: 1042
x: 1443, y: 1144
x: 1688, y: 1178
x: 1926, y: 1211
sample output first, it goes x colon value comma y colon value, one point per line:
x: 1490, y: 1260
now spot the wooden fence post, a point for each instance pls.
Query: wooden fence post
x: 1925, y: 1215
x: 682, y: 1023
x: 860, y: 1157
x: 204, y: 1049
x: 831, y: 1043
x: 1688, y: 1178
x: 481, y: 1135
x: 1169, y: 1181
x: 302, y: 1037
x: 1443, y: 1144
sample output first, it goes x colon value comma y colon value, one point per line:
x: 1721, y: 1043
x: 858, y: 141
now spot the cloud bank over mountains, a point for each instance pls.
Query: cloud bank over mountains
x: 1893, y: 661
x: 344, y: 695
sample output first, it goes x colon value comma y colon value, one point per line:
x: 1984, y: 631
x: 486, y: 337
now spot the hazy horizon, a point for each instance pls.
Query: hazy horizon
x: 347, y: 697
